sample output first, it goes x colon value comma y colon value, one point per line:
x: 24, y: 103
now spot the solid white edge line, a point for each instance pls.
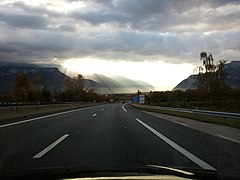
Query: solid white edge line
x: 51, y: 146
x: 94, y: 114
x: 37, y: 118
x: 186, y: 153
x: 227, y: 138
x: 124, y: 108
x: 180, y: 123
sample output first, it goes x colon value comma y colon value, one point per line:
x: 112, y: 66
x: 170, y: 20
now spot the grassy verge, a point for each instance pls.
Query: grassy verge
x: 199, y: 117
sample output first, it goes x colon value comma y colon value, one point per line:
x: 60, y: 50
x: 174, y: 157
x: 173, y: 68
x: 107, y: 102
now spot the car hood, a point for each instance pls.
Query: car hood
x: 130, y: 172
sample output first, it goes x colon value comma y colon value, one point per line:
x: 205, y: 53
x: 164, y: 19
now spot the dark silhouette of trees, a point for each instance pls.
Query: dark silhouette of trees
x: 22, y: 90
x: 46, y: 96
x: 211, y: 77
x: 6, y: 98
x: 32, y: 91
x: 37, y: 87
x: 212, y: 92
x: 75, y: 88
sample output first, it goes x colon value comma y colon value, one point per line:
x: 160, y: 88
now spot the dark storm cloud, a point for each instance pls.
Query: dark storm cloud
x: 120, y: 30
x: 19, y: 15
x: 24, y: 21
x: 154, y: 15
x: 41, y: 45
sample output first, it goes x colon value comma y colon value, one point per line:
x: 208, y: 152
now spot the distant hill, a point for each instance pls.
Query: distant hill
x: 233, y: 71
x: 232, y: 80
x: 119, y: 84
x: 53, y: 79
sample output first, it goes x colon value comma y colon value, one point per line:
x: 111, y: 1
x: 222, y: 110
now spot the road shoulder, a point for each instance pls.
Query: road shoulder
x: 229, y: 133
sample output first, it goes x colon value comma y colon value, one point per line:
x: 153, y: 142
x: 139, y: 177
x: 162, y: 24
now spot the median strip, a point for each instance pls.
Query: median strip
x: 51, y: 146
x: 186, y: 153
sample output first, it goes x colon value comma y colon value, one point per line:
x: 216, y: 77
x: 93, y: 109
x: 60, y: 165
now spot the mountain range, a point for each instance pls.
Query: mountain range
x: 53, y: 79
x: 233, y: 78
x: 121, y: 84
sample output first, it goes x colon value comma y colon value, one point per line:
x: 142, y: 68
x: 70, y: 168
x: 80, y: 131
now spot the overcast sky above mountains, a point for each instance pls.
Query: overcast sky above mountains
x: 120, y: 33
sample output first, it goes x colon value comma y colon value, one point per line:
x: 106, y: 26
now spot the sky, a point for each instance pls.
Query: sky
x: 155, y: 41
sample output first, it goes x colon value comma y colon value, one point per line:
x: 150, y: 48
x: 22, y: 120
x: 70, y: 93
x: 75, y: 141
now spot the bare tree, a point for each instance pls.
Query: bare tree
x: 22, y: 89
x: 211, y: 77
x: 36, y: 82
x: 76, y: 88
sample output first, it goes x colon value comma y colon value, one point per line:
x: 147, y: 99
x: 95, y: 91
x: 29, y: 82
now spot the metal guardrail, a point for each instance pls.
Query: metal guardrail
x: 217, y: 113
x: 204, y: 112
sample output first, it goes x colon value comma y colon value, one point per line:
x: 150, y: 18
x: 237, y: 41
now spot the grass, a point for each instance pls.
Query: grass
x: 199, y: 117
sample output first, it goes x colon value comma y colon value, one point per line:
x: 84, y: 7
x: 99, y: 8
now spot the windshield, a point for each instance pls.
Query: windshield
x: 117, y: 84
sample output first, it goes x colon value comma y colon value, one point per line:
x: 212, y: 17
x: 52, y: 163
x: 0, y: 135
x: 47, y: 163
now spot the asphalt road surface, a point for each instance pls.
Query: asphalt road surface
x: 111, y: 135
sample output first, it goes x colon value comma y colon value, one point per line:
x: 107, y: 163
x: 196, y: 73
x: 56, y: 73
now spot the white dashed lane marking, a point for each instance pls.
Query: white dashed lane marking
x: 124, y: 108
x: 51, y: 146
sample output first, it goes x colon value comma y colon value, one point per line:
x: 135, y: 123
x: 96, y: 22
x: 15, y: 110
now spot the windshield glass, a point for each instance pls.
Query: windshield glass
x: 115, y: 84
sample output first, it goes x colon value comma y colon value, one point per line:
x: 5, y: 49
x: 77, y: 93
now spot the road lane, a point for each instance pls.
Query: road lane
x: 114, y: 139
x: 111, y: 138
x: 19, y: 143
x: 220, y: 153
x: 189, y: 155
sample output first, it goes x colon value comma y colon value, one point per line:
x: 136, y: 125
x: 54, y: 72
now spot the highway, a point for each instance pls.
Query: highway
x: 109, y: 136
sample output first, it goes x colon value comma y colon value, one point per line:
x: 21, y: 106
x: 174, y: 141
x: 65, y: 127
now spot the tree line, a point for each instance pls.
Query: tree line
x: 211, y: 93
x: 195, y: 99
x: 30, y: 91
